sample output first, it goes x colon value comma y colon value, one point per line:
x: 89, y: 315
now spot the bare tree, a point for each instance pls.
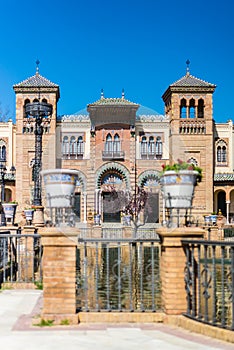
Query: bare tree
x: 129, y: 203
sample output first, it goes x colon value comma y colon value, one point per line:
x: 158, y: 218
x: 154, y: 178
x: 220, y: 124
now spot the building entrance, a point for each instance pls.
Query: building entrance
x: 111, y: 207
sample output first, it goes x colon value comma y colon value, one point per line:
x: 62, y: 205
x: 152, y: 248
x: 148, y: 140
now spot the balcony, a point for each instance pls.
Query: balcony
x: 72, y: 155
x: 109, y: 155
x: 192, y: 126
x: 151, y: 155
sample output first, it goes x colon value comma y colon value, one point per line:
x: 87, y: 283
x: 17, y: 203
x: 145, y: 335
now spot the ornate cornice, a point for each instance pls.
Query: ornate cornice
x: 224, y: 177
x: 74, y: 118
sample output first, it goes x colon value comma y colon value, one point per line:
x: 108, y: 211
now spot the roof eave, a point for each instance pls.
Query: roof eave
x: 33, y: 89
x: 176, y: 89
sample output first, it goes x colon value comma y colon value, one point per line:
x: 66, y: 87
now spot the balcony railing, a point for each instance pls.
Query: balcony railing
x: 73, y: 155
x: 150, y: 155
x: 106, y: 155
x: 192, y: 126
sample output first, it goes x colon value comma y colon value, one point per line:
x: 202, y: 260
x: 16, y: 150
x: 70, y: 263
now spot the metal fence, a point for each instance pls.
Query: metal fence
x: 20, y: 257
x: 209, y: 282
x: 118, y: 275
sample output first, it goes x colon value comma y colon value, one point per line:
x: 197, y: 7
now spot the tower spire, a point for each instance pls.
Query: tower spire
x: 187, y: 69
x: 123, y: 94
x: 102, y: 93
x: 37, y: 67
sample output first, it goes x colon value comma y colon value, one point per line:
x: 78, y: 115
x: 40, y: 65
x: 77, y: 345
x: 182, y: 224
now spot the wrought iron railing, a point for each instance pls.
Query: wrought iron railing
x: 113, y: 155
x: 118, y: 275
x: 20, y: 257
x: 209, y: 282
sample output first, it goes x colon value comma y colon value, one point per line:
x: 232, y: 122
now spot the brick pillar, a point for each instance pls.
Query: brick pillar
x: 59, y: 274
x: 173, y: 261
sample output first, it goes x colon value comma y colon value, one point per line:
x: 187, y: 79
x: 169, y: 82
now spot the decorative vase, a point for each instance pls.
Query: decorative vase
x: 29, y: 215
x: 178, y: 188
x: 9, y: 212
x: 59, y: 187
x: 213, y: 219
x: 207, y: 219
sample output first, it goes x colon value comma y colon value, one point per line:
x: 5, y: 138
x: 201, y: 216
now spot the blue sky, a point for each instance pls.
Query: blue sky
x: 141, y: 46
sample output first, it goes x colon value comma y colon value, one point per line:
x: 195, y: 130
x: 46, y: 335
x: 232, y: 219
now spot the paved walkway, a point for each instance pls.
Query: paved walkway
x: 17, y: 308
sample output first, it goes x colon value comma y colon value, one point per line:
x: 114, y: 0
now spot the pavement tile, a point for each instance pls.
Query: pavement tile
x: 17, y: 309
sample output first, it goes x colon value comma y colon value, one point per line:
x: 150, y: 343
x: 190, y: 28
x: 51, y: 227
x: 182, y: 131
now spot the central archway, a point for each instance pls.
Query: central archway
x: 113, y: 193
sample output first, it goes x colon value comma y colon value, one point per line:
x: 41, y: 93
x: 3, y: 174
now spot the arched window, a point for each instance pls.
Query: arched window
x: 158, y: 147
x: 73, y: 146
x: 193, y: 161
x: 183, y: 109
x: 200, y: 108
x: 116, y: 145
x: 33, y: 172
x: 192, y: 108
x: 80, y: 146
x: 108, y: 144
x: 224, y: 154
x: 143, y: 146
x: 44, y: 100
x: 65, y: 146
x: 25, y: 103
x: 151, y: 146
x: 3, y: 153
x: 35, y: 100
x: 221, y: 153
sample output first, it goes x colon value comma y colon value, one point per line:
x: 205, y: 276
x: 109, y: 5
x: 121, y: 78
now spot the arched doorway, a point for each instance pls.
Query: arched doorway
x: 149, y: 180
x: 221, y: 202
x: 112, y: 191
x: 80, y: 199
x: 114, y: 196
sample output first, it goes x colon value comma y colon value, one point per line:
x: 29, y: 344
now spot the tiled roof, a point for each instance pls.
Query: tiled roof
x: 113, y: 101
x: 36, y: 80
x: 224, y: 177
x: 190, y: 80
x: 146, y: 111
x: 143, y: 113
x: 82, y: 112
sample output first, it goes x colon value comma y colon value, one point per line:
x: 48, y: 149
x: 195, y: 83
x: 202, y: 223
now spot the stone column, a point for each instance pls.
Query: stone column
x: 173, y: 261
x: 59, y: 274
x: 85, y: 207
x: 227, y: 209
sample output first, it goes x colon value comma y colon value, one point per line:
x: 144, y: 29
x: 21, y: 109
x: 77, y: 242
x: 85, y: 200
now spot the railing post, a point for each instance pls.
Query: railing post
x: 173, y: 261
x: 59, y: 274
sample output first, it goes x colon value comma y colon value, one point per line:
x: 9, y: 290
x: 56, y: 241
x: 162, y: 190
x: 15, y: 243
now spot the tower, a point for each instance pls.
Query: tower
x: 34, y: 89
x: 189, y: 106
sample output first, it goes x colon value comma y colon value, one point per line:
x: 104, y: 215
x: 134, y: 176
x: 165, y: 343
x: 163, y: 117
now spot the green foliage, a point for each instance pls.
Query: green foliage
x: 182, y: 165
x: 45, y: 323
x: 39, y: 284
x: 65, y: 322
x: 5, y: 287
